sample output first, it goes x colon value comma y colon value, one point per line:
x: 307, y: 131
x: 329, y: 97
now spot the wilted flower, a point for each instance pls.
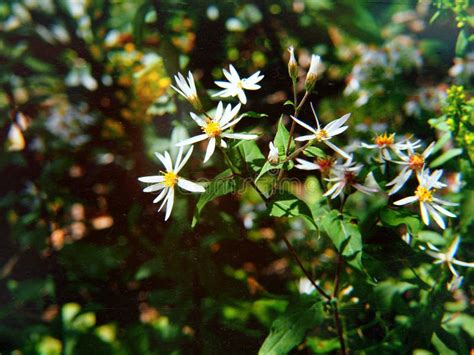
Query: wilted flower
x: 236, y: 86
x: 429, y: 205
x: 325, y: 134
x: 273, y: 154
x: 413, y: 162
x: 168, y: 179
x: 187, y: 89
x: 345, y: 175
x: 214, y: 129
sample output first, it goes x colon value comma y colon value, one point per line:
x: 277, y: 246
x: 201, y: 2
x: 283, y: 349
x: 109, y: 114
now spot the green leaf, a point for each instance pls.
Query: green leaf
x: 393, y: 218
x: 281, y: 142
x: 250, y: 152
x: 281, y: 139
x: 285, y: 204
x: 289, y: 329
x: 314, y: 152
x: 222, y: 184
x: 434, y: 17
x: 345, y: 236
x: 288, y: 102
x: 441, y: 142
x: 450, y: 154
x: 461, y: 43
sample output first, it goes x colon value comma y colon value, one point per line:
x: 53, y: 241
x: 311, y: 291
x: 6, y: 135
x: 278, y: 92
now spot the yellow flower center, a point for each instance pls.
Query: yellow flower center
x: 423, y: 194
x: 385, y: 139
x: 170, y: 179
x: 212, y: 129
x: 416, y: 162
x: 321, y: 134
x: 240, y: 84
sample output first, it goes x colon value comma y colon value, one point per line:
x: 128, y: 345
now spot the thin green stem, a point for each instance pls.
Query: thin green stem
x: 337, y: 318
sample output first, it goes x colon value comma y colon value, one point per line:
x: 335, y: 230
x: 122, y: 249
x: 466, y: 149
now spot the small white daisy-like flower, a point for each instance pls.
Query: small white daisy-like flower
x: 324, y: 134
x: 413, y: 162
x: 386, y: 142
x: 429, y: 205
x: 345, y: 175
x: 214, y: 129
x: 322, y: 164
x: 273, y: 154
x: 235, y: 86
x: 187, y: 89
x: 448, y: 257
x: 167, y: 180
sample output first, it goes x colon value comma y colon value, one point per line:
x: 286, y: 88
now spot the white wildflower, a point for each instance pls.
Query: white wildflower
x: 167, y: 180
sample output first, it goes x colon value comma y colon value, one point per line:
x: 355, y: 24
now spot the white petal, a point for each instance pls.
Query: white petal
x: 155, y: 187
x: 305, y: 138
x: 337, y: 123
x: 315, y: 116
x: 225, y: 93
x: 453, y: 248
x: 219, y: 111
x: 223, y: 143
x: 406, y: 201
x: 428, y: 150
x: 160, y: 196
x: 254, y: 78
x: 336, y: 149
x: 402, y: 179
x: 167, y: 191
x: 306, y: 165
x: 364, y: 189
x: 167, y: 164
x: 211, y: 146
x: 169, y: 204
x: 332, y: 189
x: 192, y: 140
x: 197, y: 119
x: 444, y: 202
x: 224, y: 84
x: 337, y: 131
x: 189, y: 185
x: 152, y: 179
x: 444, y: 211
x: 453, y: 270
x: 425, y: 216
x: 233, y: 73
x: 462, y: 263
x: 436, y: 216
x: 239, y: 136
x: 184, y: 161
x: 301, y: 123
x: 242, y: 97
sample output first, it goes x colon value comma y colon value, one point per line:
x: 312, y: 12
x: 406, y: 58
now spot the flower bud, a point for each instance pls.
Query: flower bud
x: 273, y: 156
x: 292, y: 64
x: 312, y: 73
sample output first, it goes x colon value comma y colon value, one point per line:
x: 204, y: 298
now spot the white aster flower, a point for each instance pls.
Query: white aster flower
x: 325, y: 134
x: 215, y: 129
x: 385, y: 143
x: 429, y: 205
x: 345, y: 175
x: 187, y: 89
x: 273, y: 154
x: 448, y: 257
x: 413, y: 162
x: 167, y: 180
x: 235, y: 86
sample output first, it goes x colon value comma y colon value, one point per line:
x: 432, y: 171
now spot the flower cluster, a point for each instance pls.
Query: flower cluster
x: 215, y: 129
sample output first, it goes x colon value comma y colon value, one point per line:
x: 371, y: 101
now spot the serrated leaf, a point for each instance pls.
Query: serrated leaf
x: 345, y: 236
x: 222, y: 184
x: 289, y: 329
x: 443, y: 158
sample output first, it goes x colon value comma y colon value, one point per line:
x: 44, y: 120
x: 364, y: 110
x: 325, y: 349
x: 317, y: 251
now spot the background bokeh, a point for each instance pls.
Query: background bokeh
x: 87, y: 265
